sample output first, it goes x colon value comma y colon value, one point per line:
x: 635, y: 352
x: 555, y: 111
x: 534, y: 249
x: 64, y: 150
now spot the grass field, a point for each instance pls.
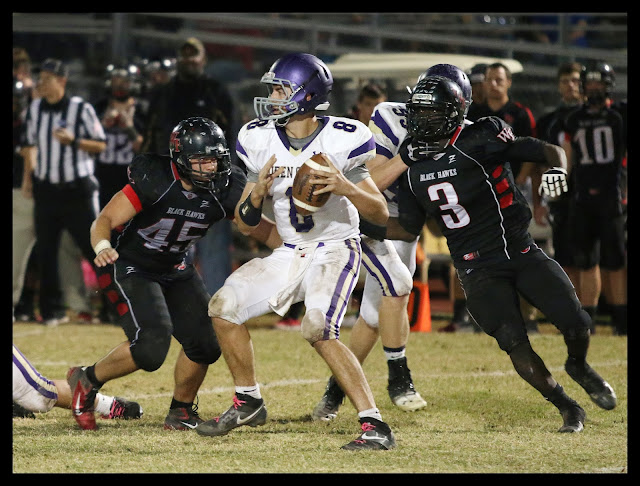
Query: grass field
x: 481, y: 417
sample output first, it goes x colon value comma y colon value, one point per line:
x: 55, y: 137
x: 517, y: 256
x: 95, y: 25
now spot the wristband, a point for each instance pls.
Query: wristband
x: 248, y: 214
x: 102, y: 245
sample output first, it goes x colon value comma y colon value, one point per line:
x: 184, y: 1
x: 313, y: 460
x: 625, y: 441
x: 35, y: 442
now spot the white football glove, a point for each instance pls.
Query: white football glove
x: 554, y: 182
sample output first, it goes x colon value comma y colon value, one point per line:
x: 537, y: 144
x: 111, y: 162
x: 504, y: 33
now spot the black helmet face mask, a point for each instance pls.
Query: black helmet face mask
x: 435, y: 110
x: 199, y: 150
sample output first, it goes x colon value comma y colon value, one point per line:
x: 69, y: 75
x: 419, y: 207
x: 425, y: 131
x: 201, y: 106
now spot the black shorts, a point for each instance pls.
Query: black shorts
x: 493, y: 293
x: 174, y: 303
x: 598, y: 233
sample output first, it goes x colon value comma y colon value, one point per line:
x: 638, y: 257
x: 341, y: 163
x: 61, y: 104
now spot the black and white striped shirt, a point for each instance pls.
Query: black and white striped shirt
x: 57, y: 163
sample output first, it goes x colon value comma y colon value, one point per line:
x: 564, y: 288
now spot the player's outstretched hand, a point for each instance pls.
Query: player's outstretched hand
x: 554, y: 182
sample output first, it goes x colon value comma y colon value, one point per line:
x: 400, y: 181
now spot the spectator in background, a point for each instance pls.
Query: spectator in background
x: 63, y: 135
x: 368, y: 98
x: 476, y: 77
x: 154, y: 73
x: 23, y: 232
x: 122, y: 119
x: 596, y: 147
x: 192, y: 93
x: 550, y: 128
x: 497, y: 83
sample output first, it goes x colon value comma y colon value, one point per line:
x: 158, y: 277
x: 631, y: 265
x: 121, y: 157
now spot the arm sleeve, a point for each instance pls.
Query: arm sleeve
x: 411, y: 216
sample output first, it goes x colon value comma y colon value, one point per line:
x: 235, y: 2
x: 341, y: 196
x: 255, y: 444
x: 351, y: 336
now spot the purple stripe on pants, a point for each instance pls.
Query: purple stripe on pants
x: 377, y: 264
x: 340, y: 285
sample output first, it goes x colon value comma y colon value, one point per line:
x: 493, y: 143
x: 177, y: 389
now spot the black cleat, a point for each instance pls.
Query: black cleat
x: 599, y: 390
x: 21, y: 412
x: 573, y: 419
x: 376, y: 435
x: 245, y: 410
x: 400, y: 387
x: 327, y: 408
x: 124, y: 409
x: 182, y: 418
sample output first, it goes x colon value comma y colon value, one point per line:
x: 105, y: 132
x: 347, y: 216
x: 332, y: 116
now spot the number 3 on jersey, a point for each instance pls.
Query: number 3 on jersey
x: 446, y: 191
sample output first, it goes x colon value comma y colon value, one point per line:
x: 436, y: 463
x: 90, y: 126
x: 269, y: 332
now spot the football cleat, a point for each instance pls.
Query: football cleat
x: 327, y: 408
x: 376, y: 435
x: 124, y: 409
x: 573, y: 419
x: 83, y: 397
x: 401, y: 389
x: 21, y: 412
x: 182, y: 418
x: 600, y: 392
x: 245, y: 410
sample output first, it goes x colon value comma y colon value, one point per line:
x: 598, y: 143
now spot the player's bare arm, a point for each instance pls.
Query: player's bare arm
x: 117, y: 212
x: 385, y: 172
x: 249, y: 209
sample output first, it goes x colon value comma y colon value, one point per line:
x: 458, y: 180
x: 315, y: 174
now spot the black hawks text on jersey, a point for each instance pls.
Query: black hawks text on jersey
x: 170, y: 219
x: 470, y: 191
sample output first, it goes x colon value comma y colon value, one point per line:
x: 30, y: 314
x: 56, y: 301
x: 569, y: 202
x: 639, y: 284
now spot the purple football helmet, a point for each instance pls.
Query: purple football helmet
x: 453, y: 73
x: 301, y: 75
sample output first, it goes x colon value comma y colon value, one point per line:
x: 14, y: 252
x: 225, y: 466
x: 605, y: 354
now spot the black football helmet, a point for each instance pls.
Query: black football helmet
x: 602, y: 72
x: 200, y: 137
x: 129, y: 85
x: 435, y: 109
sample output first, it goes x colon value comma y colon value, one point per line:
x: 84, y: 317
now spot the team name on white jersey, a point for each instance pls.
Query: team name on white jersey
x: 347, y: 143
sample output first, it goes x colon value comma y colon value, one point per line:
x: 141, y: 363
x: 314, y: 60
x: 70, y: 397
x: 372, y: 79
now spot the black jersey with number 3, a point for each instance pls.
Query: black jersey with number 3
x: 470, y: 192
x: 169, y: 218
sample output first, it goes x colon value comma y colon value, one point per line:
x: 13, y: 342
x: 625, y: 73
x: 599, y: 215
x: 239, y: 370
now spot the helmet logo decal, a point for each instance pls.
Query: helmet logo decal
x: 174, y: 141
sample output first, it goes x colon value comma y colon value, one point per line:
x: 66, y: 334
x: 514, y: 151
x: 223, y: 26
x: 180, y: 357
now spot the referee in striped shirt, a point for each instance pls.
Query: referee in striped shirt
x: 63, y: 135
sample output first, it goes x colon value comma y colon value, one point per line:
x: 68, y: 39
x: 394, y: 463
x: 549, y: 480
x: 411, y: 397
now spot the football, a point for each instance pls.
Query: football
x: 302, y: 191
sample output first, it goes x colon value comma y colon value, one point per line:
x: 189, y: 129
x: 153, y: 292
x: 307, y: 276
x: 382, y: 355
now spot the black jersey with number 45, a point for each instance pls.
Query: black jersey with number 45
x: 470, y: 192
x: 169, y: 218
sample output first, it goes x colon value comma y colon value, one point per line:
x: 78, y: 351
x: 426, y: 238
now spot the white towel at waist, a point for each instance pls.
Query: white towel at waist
x: 302, y: 257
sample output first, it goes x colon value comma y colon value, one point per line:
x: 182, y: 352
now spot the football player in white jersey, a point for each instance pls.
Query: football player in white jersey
x: 319, y: 261
x: 34, y: 392
x: 388, y: 282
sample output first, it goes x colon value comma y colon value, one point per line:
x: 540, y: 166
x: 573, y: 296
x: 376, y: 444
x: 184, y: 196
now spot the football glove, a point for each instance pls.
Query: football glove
x: 411, y: 151
x: 554, y: 182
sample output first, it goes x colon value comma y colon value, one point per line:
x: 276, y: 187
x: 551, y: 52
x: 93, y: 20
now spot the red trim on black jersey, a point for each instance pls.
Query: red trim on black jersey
x: 174, y: 169
x: 133, y: 197
x: 453, y: 139
x: 532, y: 120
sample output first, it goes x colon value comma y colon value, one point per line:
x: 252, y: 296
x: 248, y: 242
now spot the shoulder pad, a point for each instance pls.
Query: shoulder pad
x: 151, y: 174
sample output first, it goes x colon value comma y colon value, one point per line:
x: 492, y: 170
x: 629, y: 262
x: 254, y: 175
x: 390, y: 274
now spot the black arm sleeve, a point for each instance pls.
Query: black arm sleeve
x: 526, y: 149
x: 411, y: 216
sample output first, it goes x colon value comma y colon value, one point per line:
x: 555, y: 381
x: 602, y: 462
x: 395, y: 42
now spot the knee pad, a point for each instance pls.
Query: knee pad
x: 223, y: 303
x: 150, y: 351
x: 509, y: 337
x: 202, y: 350
x: 313, y: 325
x: 579, y: 328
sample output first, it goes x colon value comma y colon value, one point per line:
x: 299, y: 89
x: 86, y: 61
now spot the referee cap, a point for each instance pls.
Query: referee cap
x: 55, y: 66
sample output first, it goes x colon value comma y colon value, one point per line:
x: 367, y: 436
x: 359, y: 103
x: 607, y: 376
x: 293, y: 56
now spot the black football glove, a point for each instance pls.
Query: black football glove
x: 411, y: 151
x: 554, y: 182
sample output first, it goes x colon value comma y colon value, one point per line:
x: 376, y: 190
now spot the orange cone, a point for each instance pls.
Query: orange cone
x: 419, y: 308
